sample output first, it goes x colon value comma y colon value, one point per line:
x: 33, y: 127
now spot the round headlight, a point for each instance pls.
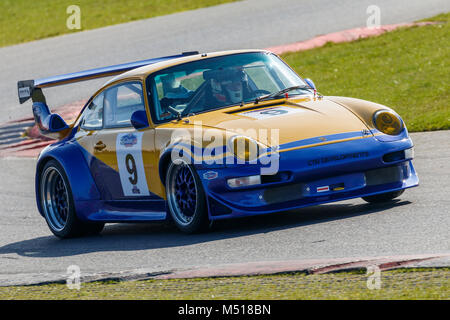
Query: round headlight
x: 244, y: 148
x: 388, y: 122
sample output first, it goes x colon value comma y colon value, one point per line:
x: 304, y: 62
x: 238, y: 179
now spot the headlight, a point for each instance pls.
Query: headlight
x: 244, y: 181
x: 388, y: 122
x: 409, y: 153
x: 244, y: 148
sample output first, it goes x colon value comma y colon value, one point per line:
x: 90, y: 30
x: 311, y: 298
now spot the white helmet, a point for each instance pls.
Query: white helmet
x: 235, y: 91
x: 235, y: 84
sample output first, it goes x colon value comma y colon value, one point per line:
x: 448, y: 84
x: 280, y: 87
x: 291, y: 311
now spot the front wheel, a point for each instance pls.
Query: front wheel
x: 186, y: 198
x: 383, y: 197
x: 58, y: 205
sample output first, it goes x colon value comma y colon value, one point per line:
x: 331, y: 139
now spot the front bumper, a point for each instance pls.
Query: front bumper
x: 311, y: 176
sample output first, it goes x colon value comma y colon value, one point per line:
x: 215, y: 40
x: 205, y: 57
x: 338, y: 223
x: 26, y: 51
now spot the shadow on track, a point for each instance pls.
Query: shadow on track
x: 148, y: 236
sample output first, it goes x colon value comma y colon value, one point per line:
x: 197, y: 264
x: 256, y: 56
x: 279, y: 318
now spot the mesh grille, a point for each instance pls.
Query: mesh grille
x: 284, y: 193
x: 384, y: 175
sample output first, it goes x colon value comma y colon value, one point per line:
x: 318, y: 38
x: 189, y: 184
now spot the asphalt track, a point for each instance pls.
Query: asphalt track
x: 417, y: 224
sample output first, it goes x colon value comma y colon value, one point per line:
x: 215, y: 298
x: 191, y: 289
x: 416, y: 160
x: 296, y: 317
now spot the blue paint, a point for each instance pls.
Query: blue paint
x: 99, y: 197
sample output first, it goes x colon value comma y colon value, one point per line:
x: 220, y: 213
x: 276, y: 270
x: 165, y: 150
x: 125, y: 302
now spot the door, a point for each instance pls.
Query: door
x: 129, y: 152
x: 121, y: 157
x: 122, y: 163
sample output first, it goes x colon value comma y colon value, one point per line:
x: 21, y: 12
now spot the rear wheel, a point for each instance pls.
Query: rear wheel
x: 58, y: 205
x: 383, y: 197
x: 186, y: 197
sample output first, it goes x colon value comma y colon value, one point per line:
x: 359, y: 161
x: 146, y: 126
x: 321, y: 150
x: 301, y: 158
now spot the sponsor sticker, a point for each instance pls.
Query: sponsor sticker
x: 323, y: 189
x: 128, y: 140
x: 271, y: 112
x: 24, y: 92
x: 210, y: 175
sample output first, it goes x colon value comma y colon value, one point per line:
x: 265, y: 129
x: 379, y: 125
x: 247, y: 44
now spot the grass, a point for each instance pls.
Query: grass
x: 407, y: 70
x: 422, y: 283
x: 25, y: 20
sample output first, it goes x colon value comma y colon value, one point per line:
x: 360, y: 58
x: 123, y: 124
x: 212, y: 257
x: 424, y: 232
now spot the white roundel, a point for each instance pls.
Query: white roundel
x: 131, y: 165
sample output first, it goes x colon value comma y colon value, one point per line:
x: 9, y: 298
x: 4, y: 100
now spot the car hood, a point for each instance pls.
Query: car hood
x: 294, y: 120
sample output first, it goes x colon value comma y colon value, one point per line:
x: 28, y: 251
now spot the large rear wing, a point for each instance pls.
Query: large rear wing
x: 26, y: 88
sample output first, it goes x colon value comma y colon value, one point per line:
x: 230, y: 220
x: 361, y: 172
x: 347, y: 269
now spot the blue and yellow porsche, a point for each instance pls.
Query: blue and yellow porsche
x: 195, y: 138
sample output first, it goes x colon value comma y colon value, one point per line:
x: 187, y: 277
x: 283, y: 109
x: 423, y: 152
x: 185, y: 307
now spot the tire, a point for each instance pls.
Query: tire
x: 186, y: 197
x: 56, y: 199
x: 383, y: 197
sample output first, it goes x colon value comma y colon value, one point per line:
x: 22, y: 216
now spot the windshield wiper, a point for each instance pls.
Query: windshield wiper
x: 279, y: 93
x: 175, y: 112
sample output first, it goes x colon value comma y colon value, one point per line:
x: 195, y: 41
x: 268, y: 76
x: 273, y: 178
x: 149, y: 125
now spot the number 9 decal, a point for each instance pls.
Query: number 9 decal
x: 131, y: 166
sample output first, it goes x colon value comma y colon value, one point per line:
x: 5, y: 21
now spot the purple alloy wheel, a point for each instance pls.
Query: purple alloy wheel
x: 55, y: 198
x: 182, y: 193
x: 186, y: 192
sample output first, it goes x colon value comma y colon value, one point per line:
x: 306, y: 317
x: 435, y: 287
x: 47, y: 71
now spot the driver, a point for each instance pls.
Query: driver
x: 229, y: 86
x: 236, y: 87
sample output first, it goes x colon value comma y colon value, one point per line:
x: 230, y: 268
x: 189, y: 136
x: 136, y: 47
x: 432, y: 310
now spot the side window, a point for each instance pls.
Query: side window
x: 121, y: 102
x: 93, y: 114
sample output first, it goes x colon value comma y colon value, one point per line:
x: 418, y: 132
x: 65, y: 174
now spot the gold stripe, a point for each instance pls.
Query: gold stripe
x: 289, y: 149
x: 328, y: 142
x: 321, y: 144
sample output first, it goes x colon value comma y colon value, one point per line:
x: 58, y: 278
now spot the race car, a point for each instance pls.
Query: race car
x: 194, y: 138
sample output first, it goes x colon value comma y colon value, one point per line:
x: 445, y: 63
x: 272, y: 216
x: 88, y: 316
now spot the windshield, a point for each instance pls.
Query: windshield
x: 213, y: 83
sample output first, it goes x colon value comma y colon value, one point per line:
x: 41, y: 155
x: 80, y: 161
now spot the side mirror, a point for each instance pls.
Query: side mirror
x: 139, y: 119
x: 310, y: 83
